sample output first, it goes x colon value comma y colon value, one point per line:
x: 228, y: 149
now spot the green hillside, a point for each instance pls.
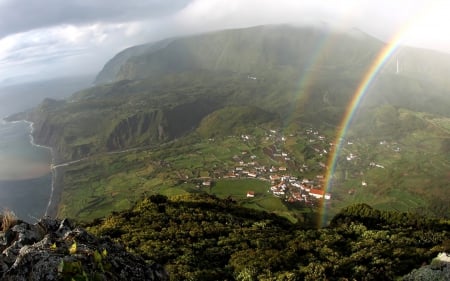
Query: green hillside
x: 112, y: 67
x: 184, y: 110
x: 236, y: 120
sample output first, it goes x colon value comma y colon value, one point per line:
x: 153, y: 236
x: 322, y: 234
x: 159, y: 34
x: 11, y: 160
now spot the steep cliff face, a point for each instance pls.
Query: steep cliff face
x: 139, y: 129
x: 45, y: 132
x: 146, y: 128
x: 186, y: 117
x: 51, y: 133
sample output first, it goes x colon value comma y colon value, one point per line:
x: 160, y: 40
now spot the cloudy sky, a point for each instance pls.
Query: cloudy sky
x: 41, y: 39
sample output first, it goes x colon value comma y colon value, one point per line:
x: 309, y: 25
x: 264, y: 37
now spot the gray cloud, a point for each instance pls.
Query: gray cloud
x: 24, y: 15
x: 45, y: 38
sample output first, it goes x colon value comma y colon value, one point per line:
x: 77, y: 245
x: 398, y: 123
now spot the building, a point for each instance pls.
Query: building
x: 317, y: 193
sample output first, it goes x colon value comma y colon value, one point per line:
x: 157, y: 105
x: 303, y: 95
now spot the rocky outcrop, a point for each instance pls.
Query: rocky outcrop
x: 55, y: 250
x: 438, y: 269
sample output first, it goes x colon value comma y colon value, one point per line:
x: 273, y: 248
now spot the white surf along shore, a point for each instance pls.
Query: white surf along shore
x: 57, y: 179
x: 56, y: 187
x: 49, y: 211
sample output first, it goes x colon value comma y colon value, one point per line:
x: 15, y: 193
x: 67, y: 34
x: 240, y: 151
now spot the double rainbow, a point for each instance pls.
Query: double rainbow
x: 383, y: 56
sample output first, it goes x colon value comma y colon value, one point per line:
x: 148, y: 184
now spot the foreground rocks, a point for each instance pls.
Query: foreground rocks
x: 55, y: 250
x: 437, y: 270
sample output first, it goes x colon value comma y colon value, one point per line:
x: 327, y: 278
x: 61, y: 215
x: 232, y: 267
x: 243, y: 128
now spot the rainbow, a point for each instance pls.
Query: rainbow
x: 369, y: 76
x: 359, y: 94
x: 322, y: 46
x: 303, y: 91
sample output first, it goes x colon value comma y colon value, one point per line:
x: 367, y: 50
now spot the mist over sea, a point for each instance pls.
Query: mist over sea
x: 25, y: 175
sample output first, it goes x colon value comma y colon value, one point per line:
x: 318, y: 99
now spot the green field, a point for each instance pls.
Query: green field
x: 237, y: 188
x: 263, y: 200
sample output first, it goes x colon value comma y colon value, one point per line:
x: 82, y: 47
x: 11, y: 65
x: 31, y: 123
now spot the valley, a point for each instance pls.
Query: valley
x: 285, y: 172
x: 229, y: 167
x: 173, y: 118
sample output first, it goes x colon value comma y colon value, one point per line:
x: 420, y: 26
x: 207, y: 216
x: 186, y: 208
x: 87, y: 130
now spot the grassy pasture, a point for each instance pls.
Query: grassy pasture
x: 237, y: 188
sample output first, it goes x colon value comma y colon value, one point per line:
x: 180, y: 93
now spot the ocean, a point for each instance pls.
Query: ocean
x: 25, y: 174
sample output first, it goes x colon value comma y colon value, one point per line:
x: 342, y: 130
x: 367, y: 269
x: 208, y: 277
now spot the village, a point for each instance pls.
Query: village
x: 286, y: 174
x: 292, y: 177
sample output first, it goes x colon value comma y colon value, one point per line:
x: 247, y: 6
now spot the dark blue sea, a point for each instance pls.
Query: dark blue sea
x: 25, y: 175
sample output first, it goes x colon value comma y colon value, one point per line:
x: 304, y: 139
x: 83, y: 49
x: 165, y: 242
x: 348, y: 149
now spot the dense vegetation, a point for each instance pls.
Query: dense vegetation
x: 201, y: 237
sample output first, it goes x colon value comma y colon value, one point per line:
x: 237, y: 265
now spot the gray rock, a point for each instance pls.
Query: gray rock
x: 55, y: 250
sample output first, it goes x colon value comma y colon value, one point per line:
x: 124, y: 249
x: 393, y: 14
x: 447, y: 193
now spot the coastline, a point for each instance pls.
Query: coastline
x: 57, y: 178
x: 57, y: 170
x: 56, y: 192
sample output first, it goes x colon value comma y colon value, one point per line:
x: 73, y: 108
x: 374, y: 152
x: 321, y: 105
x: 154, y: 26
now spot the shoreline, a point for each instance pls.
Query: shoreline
x: 55, y: 195
x: 57, y: 178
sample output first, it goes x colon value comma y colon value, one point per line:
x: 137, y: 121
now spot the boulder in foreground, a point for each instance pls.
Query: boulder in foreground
x: 55, y: 250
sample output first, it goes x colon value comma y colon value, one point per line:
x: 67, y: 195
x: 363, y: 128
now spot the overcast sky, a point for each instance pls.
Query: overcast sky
x: 41, y: 39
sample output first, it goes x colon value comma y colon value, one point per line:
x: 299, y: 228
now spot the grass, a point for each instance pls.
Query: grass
x: 237, y: 188
x: 8, y: 219
x: 173, y: 191
x: 263, y: 200
x: 267, y: 203
x: 95, y: 187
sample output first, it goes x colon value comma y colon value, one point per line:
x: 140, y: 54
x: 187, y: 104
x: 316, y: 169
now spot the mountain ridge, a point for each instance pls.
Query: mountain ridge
x: 319, y: 36
x: 221, y: 47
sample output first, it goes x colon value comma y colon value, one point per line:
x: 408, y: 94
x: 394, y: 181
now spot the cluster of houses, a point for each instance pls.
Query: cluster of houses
x: 283, y: 184
x: 294, y: 190
x: 273, y: 162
